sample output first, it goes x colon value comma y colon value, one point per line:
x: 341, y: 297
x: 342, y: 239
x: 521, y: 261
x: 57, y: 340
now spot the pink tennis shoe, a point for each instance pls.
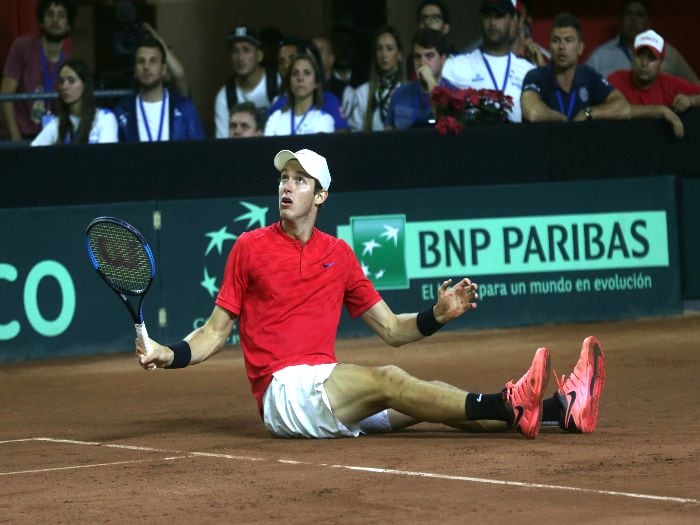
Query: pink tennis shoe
x: 579, y: 395
x: 525, y: 397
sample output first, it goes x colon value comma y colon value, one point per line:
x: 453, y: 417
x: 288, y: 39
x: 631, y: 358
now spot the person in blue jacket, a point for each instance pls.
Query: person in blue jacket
x: 410, y: 104
x: 156, y: 113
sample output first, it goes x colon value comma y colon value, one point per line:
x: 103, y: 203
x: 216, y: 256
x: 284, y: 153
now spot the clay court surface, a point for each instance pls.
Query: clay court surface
x: 100, y: 440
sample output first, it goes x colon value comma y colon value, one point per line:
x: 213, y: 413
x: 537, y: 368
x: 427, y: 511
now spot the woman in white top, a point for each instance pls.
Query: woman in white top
x: 302, y: 115
x: 370, y: 101
x: 78, y: 121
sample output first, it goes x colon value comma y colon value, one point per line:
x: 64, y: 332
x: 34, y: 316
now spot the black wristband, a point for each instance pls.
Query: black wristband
x: 183, y: 354
x: 427, y: 324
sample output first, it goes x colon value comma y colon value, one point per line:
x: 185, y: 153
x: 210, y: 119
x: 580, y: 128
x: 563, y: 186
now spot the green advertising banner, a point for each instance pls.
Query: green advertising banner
x: 541, y: 253
x: 549, y: 243
x: 592, y: 251
x: 52, y: 302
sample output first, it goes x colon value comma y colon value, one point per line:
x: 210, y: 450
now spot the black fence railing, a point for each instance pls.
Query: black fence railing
x: 100, y: 93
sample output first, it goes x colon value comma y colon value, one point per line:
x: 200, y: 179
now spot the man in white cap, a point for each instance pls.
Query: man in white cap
x: 285, y: 285
x: 652, y: 93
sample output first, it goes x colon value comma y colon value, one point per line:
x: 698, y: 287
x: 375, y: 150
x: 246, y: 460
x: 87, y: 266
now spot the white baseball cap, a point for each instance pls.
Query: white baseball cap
x: 313, y: 163
x: 652, y: 40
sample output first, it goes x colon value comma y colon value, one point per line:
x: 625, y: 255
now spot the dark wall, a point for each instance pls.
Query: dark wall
x: 499, y: 154
x: 507, y: 154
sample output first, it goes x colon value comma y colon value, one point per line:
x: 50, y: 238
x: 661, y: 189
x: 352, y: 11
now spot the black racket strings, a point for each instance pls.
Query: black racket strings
x: 122, y: 257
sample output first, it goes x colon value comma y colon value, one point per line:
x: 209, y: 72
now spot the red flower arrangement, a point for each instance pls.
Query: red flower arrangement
x: 456, y: 108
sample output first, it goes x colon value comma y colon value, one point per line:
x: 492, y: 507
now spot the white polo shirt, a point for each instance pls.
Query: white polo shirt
x: 471, y: 70
x: 314, y: 121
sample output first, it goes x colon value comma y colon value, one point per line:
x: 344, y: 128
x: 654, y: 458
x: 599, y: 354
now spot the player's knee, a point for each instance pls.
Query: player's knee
x: 443, y: 384
x: 392, y: 378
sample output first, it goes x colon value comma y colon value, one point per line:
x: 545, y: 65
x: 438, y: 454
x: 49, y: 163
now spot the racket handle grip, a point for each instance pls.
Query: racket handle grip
x: 142, y: 334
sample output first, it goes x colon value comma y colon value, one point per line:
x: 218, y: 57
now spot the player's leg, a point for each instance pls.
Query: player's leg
x: 357, y: 392
x: 574, y: 405
x: 396, y: 421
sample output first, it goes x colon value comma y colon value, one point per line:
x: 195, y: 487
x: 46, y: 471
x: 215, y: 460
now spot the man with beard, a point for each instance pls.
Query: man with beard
x: 565, y: 90
x: 155, y: 114
x: 493, y: 65
x: 32, y: 66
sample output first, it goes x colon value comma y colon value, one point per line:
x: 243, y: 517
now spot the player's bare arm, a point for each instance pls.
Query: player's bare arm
x: 615, y: 107
x: 534, y: 54
x: 9, y: 87
x: 683, y: 102
x: 658, y: 111
x: 204, y: 342
x: 535, y: 110
x: 397, y: 330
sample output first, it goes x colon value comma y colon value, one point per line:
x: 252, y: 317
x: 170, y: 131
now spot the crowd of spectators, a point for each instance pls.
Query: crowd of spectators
x: 313, y: 85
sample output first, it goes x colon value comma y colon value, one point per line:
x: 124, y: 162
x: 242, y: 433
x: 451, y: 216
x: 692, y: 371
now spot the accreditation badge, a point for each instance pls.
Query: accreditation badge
x: 38, y: 111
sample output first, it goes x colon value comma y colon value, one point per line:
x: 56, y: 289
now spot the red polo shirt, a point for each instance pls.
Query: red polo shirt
x: 288, y: 297
x: 662, y: 93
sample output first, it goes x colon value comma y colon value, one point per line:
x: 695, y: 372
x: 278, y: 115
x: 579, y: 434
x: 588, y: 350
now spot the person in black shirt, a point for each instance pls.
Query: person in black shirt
x: 565, y: 90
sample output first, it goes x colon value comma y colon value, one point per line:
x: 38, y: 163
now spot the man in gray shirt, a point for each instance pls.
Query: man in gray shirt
x: 617, y: 53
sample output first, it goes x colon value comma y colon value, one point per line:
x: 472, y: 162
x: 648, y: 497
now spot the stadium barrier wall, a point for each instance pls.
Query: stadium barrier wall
x: 491, y: 155
x: 593, y: 250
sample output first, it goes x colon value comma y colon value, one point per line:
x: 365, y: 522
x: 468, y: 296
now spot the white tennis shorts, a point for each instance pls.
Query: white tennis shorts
x: 295, y: 405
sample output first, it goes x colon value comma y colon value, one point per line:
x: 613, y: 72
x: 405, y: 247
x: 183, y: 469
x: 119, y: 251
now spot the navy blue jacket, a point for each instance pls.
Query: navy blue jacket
x: 184, y: 120
x: 589, y: 88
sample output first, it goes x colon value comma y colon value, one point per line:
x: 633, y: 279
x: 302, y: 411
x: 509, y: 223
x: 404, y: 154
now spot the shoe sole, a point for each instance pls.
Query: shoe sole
x: 589, y: 418
x: 543, y: 375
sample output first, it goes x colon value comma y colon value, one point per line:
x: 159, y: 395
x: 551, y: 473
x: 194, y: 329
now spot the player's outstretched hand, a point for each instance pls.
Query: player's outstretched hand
x: 454, y: 301
x: 159, y: 356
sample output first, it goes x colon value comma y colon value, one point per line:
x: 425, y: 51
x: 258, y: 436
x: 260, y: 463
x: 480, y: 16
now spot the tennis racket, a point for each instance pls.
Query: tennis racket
x: 124, y: 260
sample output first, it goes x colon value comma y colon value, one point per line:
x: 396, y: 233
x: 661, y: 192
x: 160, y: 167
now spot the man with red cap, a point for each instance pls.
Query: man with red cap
x: 651, y: 93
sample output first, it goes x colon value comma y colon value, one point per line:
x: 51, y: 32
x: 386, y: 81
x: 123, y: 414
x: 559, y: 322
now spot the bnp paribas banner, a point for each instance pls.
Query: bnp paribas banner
x: 541, y: 253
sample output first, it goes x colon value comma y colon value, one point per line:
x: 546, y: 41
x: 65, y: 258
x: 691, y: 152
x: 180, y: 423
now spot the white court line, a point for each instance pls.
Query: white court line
x: 92, y: 465
x: 375, y: 470
x: 147, y: 449
x: 518, y: 484
x: 225, y: 456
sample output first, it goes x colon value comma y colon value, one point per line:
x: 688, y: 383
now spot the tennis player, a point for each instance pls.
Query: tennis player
x: 285, y: 285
